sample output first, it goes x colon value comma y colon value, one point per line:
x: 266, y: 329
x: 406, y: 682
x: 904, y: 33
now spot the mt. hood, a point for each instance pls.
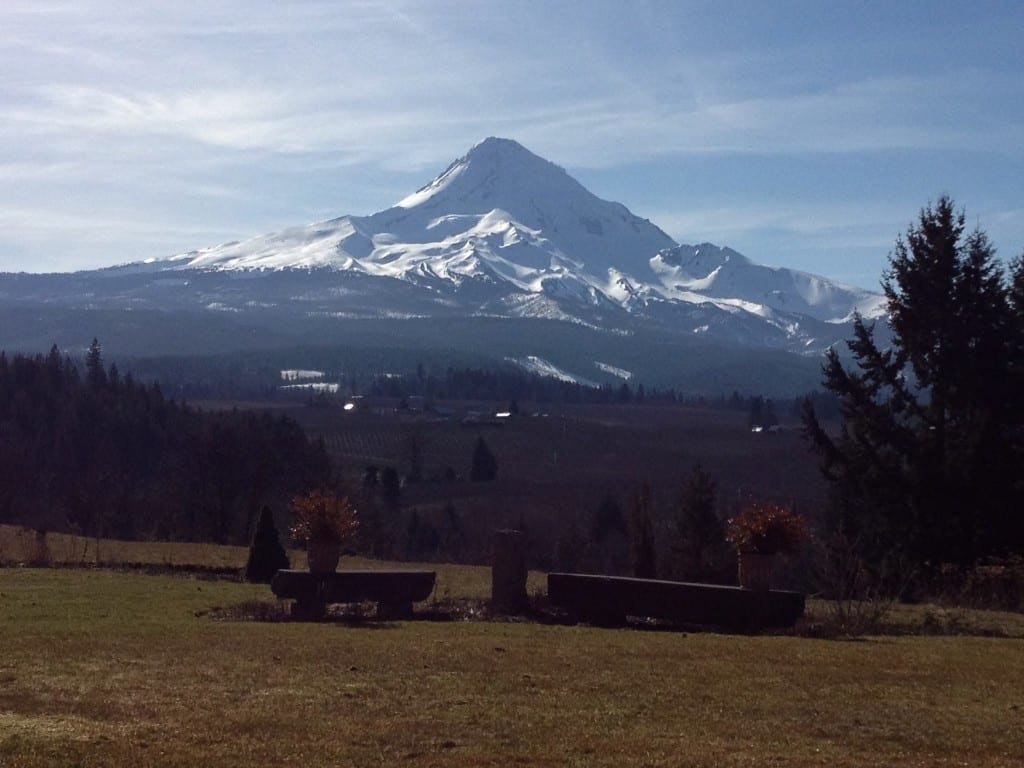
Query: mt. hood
x: 501, y: 233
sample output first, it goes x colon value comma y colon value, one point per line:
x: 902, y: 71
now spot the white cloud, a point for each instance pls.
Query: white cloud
x: 199, y: 99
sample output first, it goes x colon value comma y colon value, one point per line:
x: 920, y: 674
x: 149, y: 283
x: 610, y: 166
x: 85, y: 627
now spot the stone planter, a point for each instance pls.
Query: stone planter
x: 755, y: 570
x: 323, y: 555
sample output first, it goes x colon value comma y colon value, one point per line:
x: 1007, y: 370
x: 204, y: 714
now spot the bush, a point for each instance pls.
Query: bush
x: 859, y: 597
x: 266, y: 555
x: 995, y: 584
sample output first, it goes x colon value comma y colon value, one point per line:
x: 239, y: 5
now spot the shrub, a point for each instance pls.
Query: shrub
x: 859, y: 597
x: 266, y: 555
x: 994, y: 584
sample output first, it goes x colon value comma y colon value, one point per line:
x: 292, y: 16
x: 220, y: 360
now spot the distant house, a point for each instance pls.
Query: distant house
x: 355, y: 403
x: 479, y: 418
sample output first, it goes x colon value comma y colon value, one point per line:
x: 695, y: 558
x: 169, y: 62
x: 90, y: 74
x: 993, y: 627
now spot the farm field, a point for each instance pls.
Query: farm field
x: 106, y: 667
x: 576, y: 454
x: 624, y: 441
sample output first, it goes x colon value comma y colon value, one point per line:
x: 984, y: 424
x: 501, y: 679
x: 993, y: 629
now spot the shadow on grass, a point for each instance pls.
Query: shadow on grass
x: 364, y: 616
x: 357, y: 615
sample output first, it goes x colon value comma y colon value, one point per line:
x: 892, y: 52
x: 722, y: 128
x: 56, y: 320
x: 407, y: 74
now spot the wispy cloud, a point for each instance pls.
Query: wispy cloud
x: 200, y: 99
x: 861, y: 117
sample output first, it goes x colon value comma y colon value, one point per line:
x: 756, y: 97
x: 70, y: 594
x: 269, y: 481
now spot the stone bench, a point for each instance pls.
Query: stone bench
x: 608, y: 600
x: 393, y: 591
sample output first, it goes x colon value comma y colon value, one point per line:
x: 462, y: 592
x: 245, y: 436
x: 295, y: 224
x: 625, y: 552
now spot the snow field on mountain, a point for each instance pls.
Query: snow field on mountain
x: 542, y: 367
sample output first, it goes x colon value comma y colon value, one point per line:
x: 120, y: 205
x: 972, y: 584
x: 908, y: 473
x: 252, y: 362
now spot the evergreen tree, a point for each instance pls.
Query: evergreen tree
x: 570, y: 548
x: 926, y: 465
x: 485, y: 465
x: 266, y: 555
x: 390, y: 487
x: 609, y: 547
x: 450, y: 532
x: 699, y: 546
x: 607, y: 520
x: 643, y: 556
x: 94, y: 365
x: 421, y: 538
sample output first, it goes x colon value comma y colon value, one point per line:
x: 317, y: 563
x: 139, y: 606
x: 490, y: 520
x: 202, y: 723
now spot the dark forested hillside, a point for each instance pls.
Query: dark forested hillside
x: 101, y: 454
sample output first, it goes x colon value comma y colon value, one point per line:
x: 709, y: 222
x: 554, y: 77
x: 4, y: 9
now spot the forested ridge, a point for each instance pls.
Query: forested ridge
x: 101, y: 454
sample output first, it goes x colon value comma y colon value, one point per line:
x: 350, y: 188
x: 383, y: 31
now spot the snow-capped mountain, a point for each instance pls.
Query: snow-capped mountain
x: 731, y: 279
x: 501, y: 233
x: 500, y: 211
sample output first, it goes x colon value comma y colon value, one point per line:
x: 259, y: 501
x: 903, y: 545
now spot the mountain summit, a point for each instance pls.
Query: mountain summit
x: 499, y: 178
x: 500, y: 212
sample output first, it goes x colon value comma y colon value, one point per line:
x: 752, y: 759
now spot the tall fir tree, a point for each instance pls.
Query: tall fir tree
x: 485, y: 466
x: 926, y: 463
x: 698, y: 548
x: 94, y: 365
x: 643, y: 554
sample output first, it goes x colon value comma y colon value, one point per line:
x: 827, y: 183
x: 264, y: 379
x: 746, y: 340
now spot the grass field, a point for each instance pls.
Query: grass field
x: 17, y: 546
x: 104, y: 667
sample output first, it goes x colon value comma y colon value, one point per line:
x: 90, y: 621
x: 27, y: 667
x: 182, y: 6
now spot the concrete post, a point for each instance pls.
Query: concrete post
x: 508, y: 572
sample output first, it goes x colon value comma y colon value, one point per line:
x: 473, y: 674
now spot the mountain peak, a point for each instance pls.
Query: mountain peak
x: 493, y: 145
x: 501, y: 176
x: 494, y: 166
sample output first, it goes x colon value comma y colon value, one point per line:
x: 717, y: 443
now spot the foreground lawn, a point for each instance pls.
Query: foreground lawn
x: 108, y: 668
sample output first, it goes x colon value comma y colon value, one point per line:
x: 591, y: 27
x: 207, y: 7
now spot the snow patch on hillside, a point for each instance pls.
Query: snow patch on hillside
x: 621, y: 373
x: 542, y: 367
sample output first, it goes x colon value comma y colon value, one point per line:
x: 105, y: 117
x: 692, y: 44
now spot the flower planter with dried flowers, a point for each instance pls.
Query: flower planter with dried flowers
x: 760, y: 532
x: 324, y: 521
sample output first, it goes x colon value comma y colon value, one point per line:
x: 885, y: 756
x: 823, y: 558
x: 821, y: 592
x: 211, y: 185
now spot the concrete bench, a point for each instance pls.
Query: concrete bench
x: 393, y: 591
x: 608, y: 600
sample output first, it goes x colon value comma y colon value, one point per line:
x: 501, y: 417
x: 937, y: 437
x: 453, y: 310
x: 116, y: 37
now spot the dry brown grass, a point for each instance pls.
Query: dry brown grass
x: 107, y: 668
x: 17, y: 546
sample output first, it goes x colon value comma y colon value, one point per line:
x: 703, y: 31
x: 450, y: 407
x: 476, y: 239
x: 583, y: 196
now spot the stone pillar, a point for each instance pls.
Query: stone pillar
x: 508, y: 571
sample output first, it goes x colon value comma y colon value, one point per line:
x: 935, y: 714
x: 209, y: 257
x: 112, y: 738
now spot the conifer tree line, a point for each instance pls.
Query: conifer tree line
x: 680, y: 536
x: 100, y: 454
x: 927, y: 467
x: 257, y: 376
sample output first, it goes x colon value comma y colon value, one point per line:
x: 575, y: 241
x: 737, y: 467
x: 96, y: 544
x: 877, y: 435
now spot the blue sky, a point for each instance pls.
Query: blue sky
x: 803, y: 134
